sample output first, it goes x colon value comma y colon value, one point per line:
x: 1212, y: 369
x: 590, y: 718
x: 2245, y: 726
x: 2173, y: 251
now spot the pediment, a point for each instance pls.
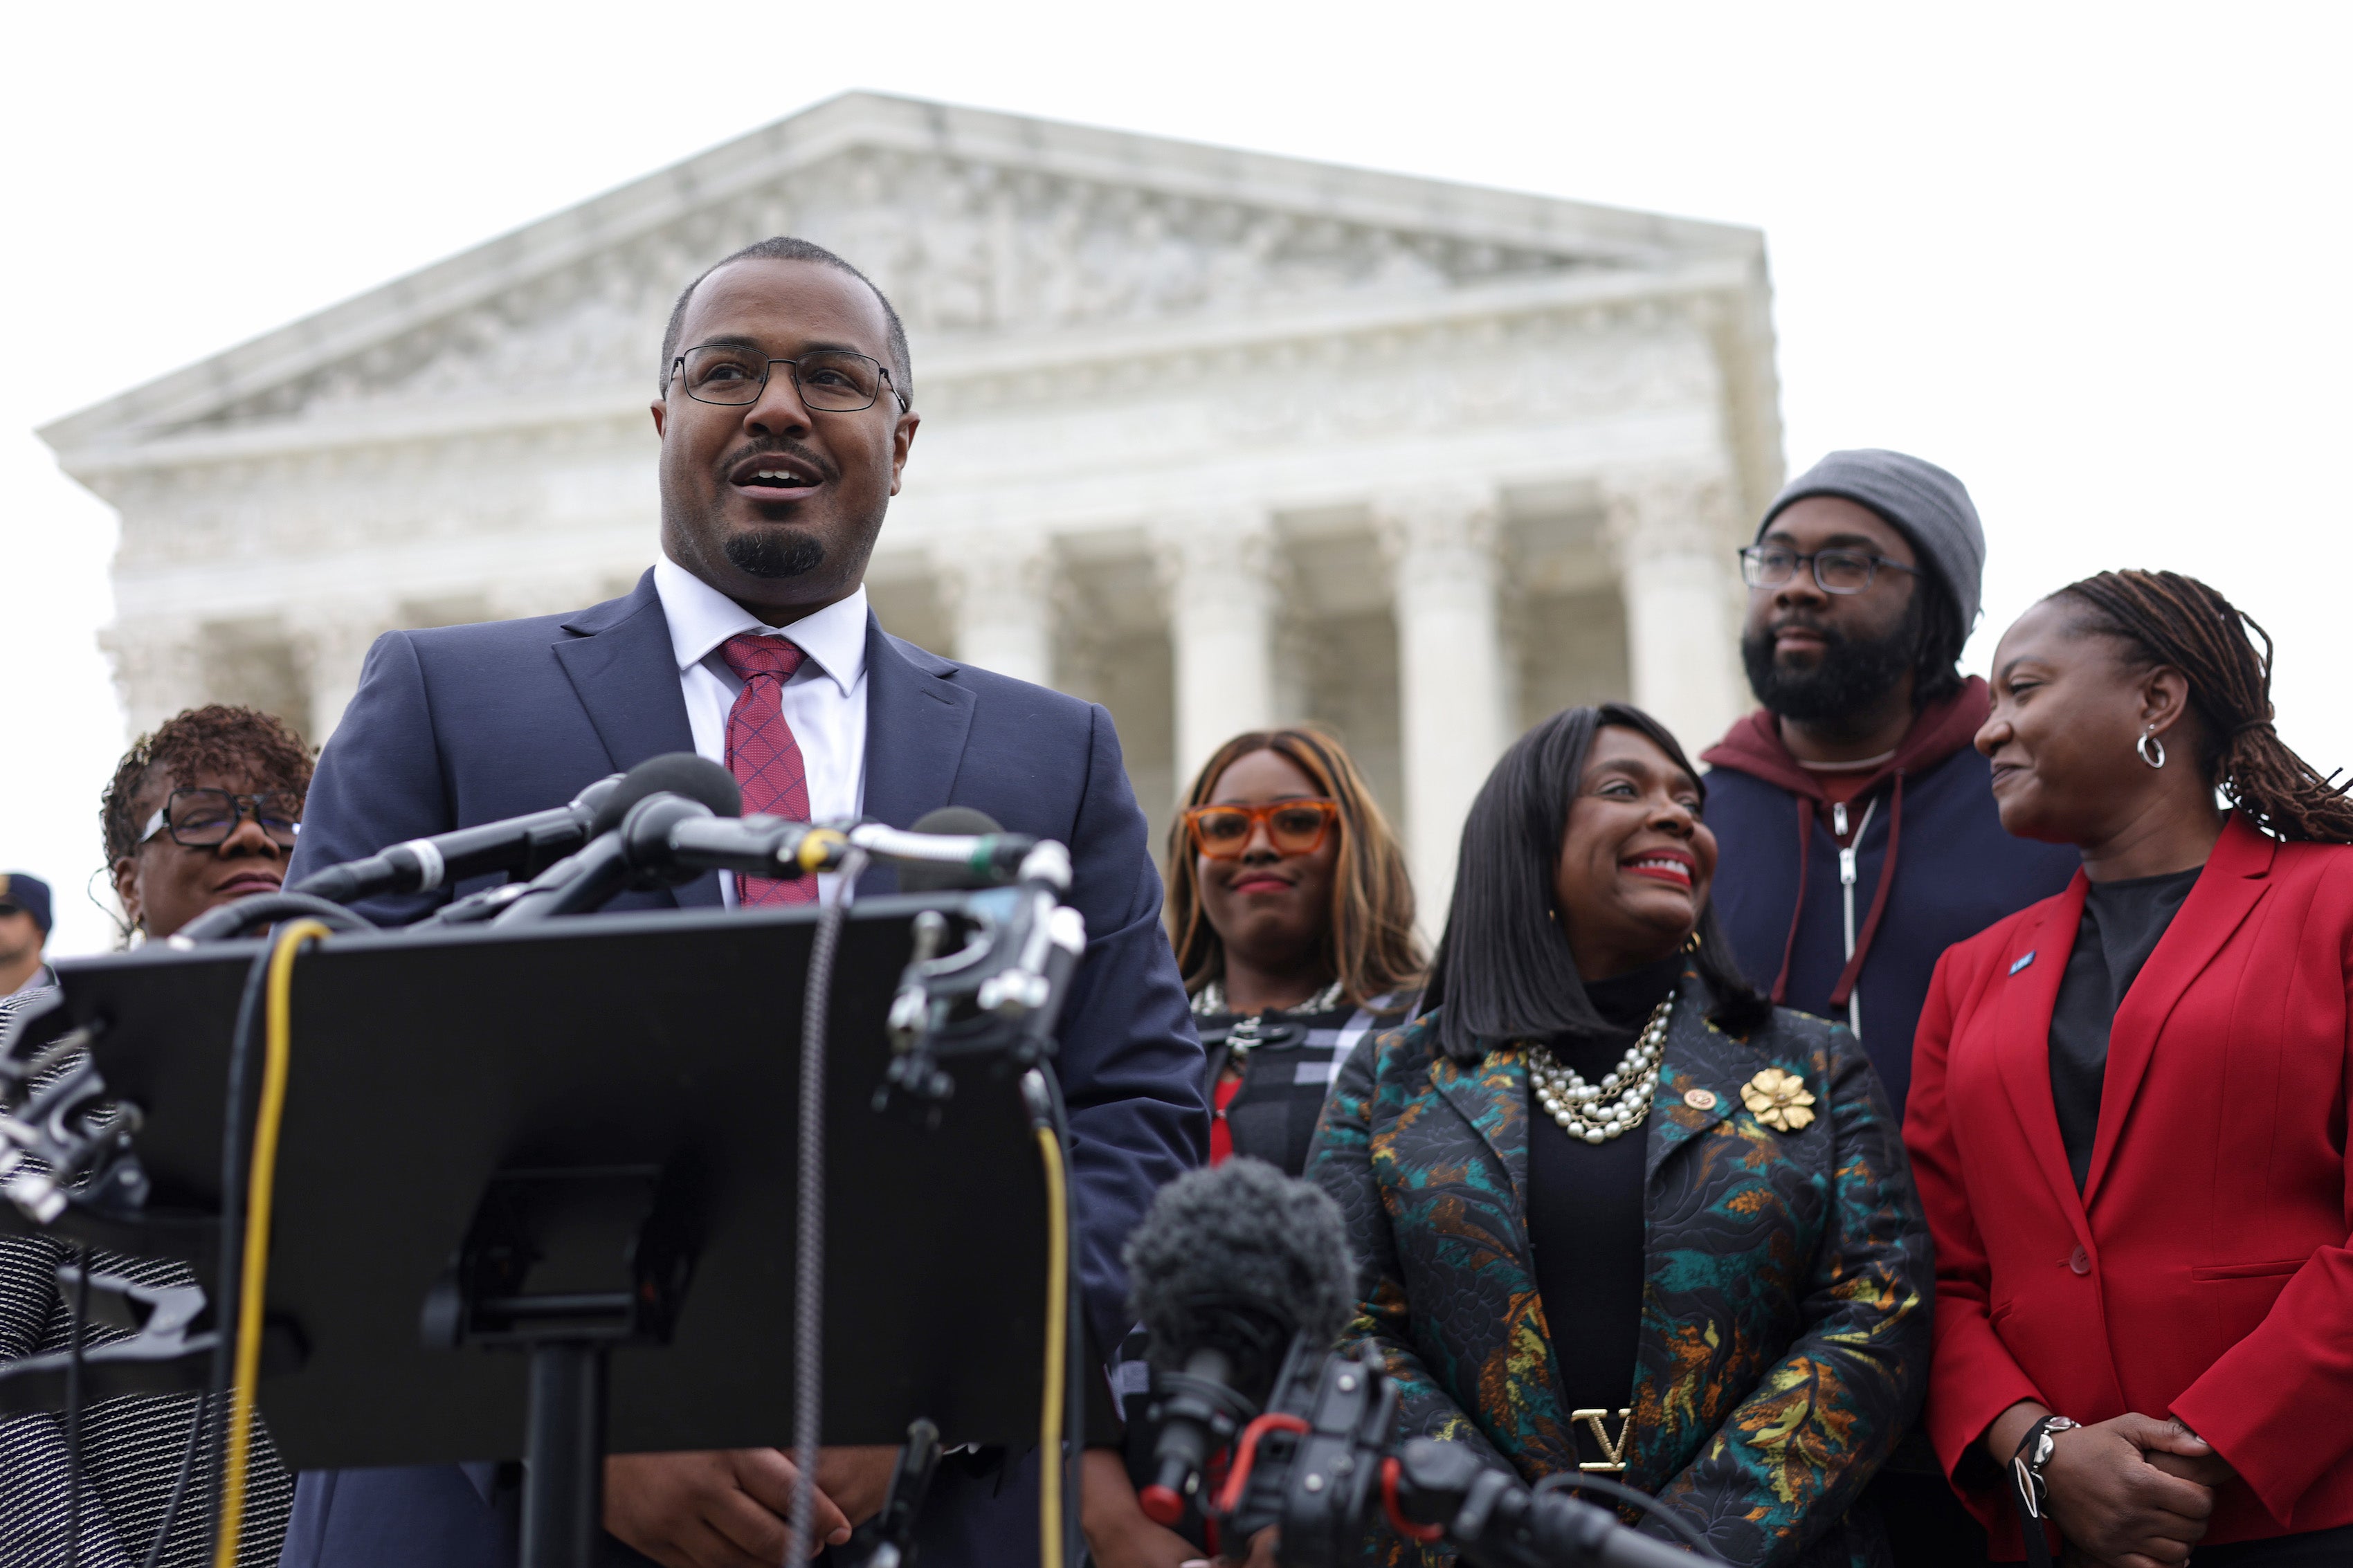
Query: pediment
x: 977, y: 225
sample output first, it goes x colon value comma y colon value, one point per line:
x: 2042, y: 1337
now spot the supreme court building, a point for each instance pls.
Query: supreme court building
x: 1216, y: 438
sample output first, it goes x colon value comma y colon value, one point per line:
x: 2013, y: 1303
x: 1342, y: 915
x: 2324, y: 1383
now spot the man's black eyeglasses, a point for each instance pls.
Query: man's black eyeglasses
x: 1835, y: 571
x: 201, y: 818
x: 834, y: 381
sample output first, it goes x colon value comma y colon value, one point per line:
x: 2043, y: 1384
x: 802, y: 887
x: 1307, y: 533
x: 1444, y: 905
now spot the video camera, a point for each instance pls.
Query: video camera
x: 1321, y: 1465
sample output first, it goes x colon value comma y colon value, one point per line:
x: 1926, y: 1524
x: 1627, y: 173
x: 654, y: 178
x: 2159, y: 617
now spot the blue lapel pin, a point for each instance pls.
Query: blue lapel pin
x: 2022, y: 962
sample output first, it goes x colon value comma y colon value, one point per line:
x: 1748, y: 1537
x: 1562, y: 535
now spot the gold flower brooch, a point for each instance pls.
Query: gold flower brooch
x: 1780, y: 1100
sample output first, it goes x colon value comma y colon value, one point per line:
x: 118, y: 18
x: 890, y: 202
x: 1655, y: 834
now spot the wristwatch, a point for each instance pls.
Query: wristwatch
x: 2033, y: 1453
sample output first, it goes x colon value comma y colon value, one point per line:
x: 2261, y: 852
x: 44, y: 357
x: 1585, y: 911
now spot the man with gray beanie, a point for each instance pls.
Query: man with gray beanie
x: 1855, y: 820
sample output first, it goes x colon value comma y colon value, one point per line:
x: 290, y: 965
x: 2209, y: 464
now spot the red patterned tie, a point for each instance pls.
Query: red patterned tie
x: 762, y: 755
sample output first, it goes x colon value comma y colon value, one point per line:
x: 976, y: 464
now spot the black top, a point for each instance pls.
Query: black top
x: 1586, y: 1216
x: 2123, y: 922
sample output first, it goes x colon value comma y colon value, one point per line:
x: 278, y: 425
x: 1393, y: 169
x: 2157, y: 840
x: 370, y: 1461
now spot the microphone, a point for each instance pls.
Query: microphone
x: 684, y: 774
x: 419, y: 866
x: 1229, y: 1267
x: 687, y: 843
x: 931, y: 876
x: 669, y: 788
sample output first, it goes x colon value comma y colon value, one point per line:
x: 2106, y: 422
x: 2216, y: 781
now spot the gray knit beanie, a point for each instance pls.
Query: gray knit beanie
x: 1928, y: 505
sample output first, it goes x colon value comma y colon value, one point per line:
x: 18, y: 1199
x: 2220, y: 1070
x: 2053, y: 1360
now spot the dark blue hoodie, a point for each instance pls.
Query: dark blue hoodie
x: 1932, y: 867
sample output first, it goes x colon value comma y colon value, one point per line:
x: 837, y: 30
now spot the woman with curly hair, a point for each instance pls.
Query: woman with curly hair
x: 1614, y: 1213
x: 199, y: 814
x: 2130, y: 1105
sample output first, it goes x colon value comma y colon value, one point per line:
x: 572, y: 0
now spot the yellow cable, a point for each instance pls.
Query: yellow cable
x: 1058, y: 1332
x: 278, y: 1035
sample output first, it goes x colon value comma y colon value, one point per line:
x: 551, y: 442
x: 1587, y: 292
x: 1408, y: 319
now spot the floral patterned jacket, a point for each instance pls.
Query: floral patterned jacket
x: 1786, y: 1310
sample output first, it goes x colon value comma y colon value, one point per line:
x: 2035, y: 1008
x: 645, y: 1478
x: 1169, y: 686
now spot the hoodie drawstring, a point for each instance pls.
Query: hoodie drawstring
x: 1852, y: 973
x: 1808, y: 810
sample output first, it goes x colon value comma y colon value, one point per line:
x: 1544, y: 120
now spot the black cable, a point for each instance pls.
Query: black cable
x: 1639, y: 1501
x: 267, y: 908
x: 234, y: 1154
x: 77, y: 1317
x: 180, y: 1483
x: 809, y: 1240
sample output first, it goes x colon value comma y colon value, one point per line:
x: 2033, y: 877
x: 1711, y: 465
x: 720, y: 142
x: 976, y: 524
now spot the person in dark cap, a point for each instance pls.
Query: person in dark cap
x: 1856, y: 821
x: 24, y: 932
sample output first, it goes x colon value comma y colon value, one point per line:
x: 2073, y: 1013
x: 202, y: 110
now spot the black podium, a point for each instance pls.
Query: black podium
x: 477, y: 1107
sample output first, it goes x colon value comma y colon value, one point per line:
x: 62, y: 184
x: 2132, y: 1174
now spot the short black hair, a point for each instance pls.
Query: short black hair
x: 784, y: 248
x: 1503, y: 971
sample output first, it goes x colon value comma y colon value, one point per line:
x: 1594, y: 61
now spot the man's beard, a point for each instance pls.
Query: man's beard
x: 774, y: 552
x: 1852, y: 675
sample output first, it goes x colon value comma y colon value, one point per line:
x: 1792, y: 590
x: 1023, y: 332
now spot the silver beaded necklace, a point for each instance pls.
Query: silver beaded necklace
x: 1212, y: 1000
x: 1619, y: 1102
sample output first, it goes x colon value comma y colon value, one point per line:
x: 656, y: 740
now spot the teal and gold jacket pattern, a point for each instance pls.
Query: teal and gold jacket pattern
x: 1787, y: 1282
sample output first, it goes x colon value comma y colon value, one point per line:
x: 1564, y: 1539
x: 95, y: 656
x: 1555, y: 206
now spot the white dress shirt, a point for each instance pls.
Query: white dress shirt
x: 825, y: 702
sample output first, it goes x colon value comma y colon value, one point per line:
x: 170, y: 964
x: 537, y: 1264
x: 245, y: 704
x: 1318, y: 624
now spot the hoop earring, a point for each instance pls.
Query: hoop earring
x: 2149, y: 743
x: 1690, y: 943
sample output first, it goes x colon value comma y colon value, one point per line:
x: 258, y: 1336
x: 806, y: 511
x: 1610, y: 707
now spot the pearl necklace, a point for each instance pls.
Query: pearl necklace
x: 1620, y: 1102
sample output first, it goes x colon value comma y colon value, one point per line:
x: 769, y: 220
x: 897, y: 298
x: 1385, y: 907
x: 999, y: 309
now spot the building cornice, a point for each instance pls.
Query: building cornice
x: 1607, y: 235
x: 1595, y: 300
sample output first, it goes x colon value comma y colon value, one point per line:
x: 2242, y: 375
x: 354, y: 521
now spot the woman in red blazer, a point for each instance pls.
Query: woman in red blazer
x: 2128, y: 1109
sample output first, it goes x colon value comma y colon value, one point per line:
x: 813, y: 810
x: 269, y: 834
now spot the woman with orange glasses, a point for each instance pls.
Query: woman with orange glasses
x: 1292, y: 920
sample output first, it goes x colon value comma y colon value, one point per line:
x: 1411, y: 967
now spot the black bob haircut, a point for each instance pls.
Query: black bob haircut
x: 784, y: 248
x: 1503, y: 971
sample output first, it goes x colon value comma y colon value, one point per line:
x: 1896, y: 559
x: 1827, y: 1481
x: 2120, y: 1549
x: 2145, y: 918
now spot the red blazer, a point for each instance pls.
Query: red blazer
x: 2205, y: 1270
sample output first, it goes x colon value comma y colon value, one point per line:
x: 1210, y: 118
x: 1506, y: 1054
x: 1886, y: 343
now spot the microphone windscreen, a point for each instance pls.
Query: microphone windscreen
x: 1239, y: 1259
x: 948, y: 822
x: 676, y: 772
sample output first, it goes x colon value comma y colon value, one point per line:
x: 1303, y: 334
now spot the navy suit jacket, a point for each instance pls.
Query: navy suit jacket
x: 462, y: 725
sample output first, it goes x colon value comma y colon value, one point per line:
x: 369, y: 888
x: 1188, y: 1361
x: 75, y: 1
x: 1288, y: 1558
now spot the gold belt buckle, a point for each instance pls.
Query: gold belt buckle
x: 1613, y: 1460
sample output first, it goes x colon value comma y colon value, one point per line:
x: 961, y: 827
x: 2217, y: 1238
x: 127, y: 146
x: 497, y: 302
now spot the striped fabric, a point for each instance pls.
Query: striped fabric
x: 130, y: 1447
x: 1327, y: 1047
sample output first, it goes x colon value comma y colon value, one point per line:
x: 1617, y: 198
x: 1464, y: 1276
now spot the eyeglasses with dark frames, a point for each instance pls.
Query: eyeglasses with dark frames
x: 831, y: 380
x: 203, y: 818
x: 1292, y: 826
x: 1835, y: 571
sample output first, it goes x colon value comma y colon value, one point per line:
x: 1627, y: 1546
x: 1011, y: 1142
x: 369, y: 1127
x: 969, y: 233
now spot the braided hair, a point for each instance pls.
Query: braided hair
x: 2167, y: 618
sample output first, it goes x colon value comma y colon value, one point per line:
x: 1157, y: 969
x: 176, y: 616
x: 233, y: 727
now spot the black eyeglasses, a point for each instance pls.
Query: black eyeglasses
x: 834, y: 381
x: 1835, y: 571
x: 201, y: 818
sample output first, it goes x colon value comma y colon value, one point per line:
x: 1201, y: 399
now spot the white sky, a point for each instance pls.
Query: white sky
x: 2091, y: 257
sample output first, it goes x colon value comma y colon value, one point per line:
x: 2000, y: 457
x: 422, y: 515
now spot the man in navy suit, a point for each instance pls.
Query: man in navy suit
x: 785, y: 414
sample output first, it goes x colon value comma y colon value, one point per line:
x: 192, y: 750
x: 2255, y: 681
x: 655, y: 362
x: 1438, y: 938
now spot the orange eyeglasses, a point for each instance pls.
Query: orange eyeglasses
x: 1292, y: 826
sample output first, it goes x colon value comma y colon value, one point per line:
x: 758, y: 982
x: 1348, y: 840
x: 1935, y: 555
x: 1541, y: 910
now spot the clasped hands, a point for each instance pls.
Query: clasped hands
x: 730, y: 1508
x: 2134, y: 1491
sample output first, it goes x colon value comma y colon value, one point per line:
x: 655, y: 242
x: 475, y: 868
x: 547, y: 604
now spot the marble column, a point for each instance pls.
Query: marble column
x: 1451, y: 685
x: 1217, y: 569
x: 158, y: 670
x: 997, y: 592
x: 1674, y: 540
x: 330, y: 640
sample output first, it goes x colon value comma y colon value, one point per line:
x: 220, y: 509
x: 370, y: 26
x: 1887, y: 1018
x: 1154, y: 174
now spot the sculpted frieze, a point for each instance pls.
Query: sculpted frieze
x: 962, y: 248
